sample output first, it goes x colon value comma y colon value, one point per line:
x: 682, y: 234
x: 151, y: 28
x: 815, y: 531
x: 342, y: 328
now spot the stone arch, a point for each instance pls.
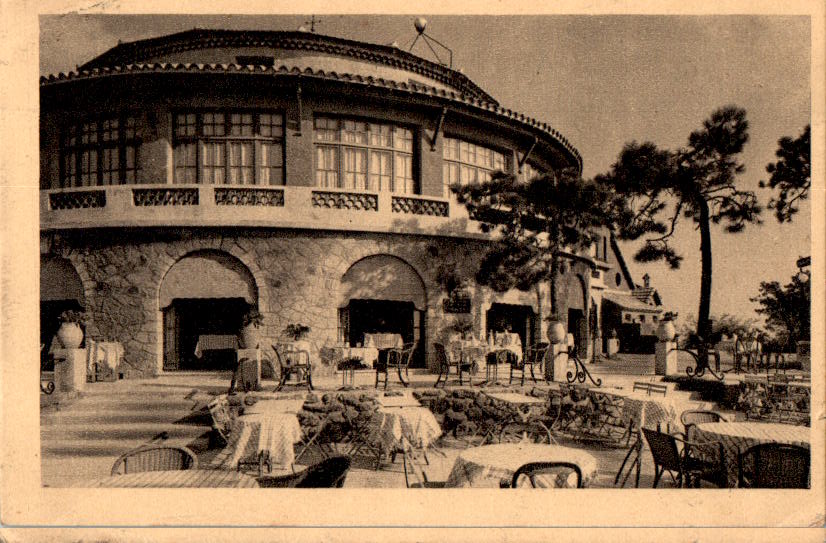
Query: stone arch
x: 60, y: 280
x: 208, y: 274
x: 382, y: 277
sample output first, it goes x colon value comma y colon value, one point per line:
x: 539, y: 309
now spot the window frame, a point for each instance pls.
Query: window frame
x: 75, y: 152
x: 340, y: 145
x: 507, y: 164
x: 227, y: 140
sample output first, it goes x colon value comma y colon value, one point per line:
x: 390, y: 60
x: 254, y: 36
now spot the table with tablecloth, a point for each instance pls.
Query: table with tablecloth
x: 270, y: 433
x: 486, y: 466
x: 408, y: 421
x: 190, y: 478
x: 367, y: 355
x: 737, y: 437
x: 215, y: 342
x: 383, y: 341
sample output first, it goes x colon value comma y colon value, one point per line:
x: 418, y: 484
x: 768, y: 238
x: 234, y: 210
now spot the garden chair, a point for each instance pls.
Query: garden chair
x: 774, y: 465
x: 413, y: 469
x: 221, y: 418
x: 690, y: 468
x: 155, y: 458
x: 690, y: 419
x: 445, y: 364
x: 293, y: 363
x: 365, y: 434
x: 545, y: 475
x: 398, y: 358
x: 329, y: 473
x: 534, y: 356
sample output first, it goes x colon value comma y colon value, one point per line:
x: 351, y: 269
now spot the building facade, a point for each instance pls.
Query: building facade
x: 187, y: 178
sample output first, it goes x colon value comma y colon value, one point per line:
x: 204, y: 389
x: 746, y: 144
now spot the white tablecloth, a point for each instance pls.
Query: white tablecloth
x: 189, y: 478
x: 383, y: 341
x: 273, y: 433
x: 415, y: 424
x: 368, y: 355
x: 737, y: 437
x: 486, y: 466
x: 215, y: 342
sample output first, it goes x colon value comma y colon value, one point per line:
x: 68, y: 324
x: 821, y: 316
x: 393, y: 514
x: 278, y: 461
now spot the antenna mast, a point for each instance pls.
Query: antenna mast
x: 421, y: 23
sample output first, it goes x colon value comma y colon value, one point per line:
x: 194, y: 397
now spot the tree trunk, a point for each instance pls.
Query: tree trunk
x: 703, y: 323
x: 554, y: 277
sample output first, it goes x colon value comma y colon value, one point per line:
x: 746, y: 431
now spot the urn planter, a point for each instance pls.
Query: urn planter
x: 70, y: 335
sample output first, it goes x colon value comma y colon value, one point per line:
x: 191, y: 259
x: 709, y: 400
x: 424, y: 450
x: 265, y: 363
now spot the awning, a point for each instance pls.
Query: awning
x: 629, y: 303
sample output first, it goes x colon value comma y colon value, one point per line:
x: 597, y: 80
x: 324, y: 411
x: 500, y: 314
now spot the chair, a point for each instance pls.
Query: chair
x: 546, y: 475
x: 689, y: 468
x: 329, y: 473
x: 221, y: 418
x: 445, y: 364
x: 690, y: 419
x: 412, y: 468
x: 774, y: 465
x: 155, y: 458
x: 535, y: 355
x: 398, y: 358
x: 303, y: 370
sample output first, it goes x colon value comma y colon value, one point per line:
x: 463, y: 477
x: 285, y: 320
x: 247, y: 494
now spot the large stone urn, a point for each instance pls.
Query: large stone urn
x: 666, y: 330
x: 250, y: 336
x: 70, y: 335
x: 556, y: 332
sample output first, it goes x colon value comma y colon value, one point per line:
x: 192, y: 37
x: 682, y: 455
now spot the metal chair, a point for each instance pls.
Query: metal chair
x: 535, y: 355
x: 546, y: 475
x: 301, y: 369
x: 412, y: 468
x: 445, y: 364
x: 690, y: 419
x: 689, y: 468
x: 329, y: 473
x: 398, y: 359
x: 221, y: 418
x: 774, y: 465
x: 155, y: 458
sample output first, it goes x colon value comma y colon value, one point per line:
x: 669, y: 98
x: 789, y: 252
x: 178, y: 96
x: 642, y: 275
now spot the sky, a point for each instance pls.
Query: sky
x: 601, y: 81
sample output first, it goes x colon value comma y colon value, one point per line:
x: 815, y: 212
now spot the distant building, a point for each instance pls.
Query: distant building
x: 189, y: 177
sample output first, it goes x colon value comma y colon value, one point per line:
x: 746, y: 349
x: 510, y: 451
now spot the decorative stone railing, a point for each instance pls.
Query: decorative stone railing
x: 249, y: 197
x: 420, y: 206
x: 80, y: 199
x: 165, y: 197
x: 346, y: 200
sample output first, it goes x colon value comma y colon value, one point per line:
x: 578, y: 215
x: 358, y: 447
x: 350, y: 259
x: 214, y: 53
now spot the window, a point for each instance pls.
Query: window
x: 466, y: 163
x: 229, y: 147
x: 100, y: 152
x: 361, y: 155
x: 528, y: 172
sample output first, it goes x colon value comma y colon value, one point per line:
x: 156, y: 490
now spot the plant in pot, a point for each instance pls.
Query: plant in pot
x: 462, y: 326
x: 250, y: 329
x: 70, y: 332
x: 297, y: 331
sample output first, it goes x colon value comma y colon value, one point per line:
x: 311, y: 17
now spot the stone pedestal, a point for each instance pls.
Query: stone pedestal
x: 69, y: 370
x: 249, y: 369
x: 557, y: 367
x: 665, y: 358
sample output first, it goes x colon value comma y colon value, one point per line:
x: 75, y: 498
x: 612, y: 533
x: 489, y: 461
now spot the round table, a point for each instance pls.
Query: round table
x: 486, y: 466
x: 190, y: 478
x: 415, y: 424
x: 272, y: 434
x: 737, y: 437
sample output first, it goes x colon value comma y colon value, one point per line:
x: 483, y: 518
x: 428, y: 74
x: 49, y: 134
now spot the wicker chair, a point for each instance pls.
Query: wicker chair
x: 295, y: 363
x: 546, y: 475
x: 221, y: 418
x: 690, y: 419
x: 445, y: 364
x: 690, y: 469
x: 534, y: 356
x: 155, y: 458
x: 774, y: 465
x: 398, y: 359
x: 329, y: 473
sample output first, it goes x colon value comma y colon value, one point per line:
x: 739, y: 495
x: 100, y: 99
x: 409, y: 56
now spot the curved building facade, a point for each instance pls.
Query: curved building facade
x: 189, y: 177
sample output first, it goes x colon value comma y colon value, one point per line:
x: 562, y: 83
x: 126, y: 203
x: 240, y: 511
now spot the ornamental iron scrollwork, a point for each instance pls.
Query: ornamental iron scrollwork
x: 346, y: 200
x: 165, y: 197
x: 80, y: 199
x: 580, y: 373
x: 249, y: 197
x: 701, y: 366
x: 419, y: 206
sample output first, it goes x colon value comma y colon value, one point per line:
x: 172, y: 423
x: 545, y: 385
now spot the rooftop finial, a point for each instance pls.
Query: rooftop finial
x: 421, y: 24
x: 312, y: 23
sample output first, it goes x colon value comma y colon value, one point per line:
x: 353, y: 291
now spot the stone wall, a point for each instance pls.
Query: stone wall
x: 297, y: 275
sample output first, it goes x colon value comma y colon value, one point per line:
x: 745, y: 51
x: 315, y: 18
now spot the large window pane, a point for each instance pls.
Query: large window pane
x: 355, y: 169
x: 403, y: 174
x: 111, y: 165
x: 213, y: 162
x: 241, y: 168
x: 355, y: 132
x: 213, y: 124
x: 327, y: 167
x: 186, y: 166
x: 326, y: 129
x: 380, y: 170
x: 271, y: 169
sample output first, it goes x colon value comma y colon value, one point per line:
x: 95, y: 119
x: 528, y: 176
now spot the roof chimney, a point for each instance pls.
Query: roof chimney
x: 646, y: 280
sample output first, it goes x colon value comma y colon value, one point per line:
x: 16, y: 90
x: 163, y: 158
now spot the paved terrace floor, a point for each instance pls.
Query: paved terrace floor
x: 81, y: 437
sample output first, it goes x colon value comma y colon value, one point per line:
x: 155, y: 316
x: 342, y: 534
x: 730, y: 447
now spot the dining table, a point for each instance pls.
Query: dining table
x: 190, y: 478
x: 737, y: 437
x: 403, y: 418
x: 215, y: 342
x: 488, y: 466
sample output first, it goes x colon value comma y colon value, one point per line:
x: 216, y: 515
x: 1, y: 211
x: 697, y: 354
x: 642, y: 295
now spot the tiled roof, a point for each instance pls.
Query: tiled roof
x: 411, y: 87
x: 199, y: 38
x: 643, y: 294
x: 630, y: 303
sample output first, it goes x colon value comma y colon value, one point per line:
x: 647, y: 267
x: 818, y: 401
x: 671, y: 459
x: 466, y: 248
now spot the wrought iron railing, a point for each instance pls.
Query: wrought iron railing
x: 165, y: 197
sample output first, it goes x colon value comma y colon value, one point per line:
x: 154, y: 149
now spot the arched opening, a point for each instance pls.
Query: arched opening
x: 60, y: 290
x: 203, y: 297
x: 519, y: 319
x: 383, y: 294
x: 577, y: 303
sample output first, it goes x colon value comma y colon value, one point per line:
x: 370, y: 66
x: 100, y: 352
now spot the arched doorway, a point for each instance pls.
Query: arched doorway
x: 576, y: 302
x: 60, y: 290
x: 203, y: 297
x: 383, y: 294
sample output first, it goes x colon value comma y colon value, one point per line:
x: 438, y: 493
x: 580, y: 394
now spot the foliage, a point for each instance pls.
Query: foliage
x: 724, y: 324
x: 72, y: 316
x: 252, y: 317
x: 787, y: 309
x: 791, y: 174
x: 461, y: 325
x: 659, y: 187
x: 537, y: 221
x: 296, y: 331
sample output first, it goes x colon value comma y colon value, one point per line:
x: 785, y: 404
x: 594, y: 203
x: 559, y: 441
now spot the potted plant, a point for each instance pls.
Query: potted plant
x: 250, y: 329
x: 296, y: 331
x: 462, y: 326
x: 70, y: 332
